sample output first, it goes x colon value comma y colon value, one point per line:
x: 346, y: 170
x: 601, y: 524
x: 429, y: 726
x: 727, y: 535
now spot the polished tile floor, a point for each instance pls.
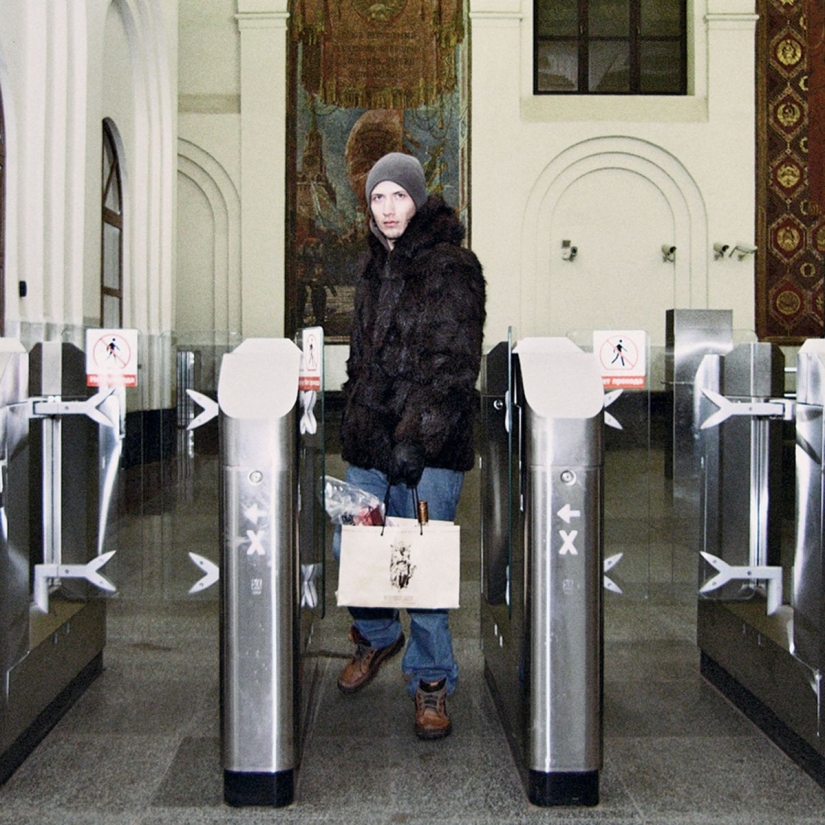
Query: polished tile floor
x: 141, y: 746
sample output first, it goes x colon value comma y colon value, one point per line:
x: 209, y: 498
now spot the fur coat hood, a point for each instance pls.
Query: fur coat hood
x: 415, y: 346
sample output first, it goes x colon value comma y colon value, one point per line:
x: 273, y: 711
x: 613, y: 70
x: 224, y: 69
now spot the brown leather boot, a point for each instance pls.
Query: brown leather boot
x: 431, y: 719
x: 365, y: 662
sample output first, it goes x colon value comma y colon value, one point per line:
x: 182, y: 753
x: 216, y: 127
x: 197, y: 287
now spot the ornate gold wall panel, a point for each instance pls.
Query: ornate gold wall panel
x: 790, y: 170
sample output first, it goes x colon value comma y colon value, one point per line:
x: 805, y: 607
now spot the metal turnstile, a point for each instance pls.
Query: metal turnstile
x: 541, y: 605
x: 740, y: 445
x: 15, y: 575
x: 763, y: 651
x: 809, y: 555
x: 59, y: 454
x: 260, y: 579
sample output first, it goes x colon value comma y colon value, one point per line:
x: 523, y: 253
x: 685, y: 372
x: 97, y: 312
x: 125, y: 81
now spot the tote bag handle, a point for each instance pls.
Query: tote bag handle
x: 416, y: 506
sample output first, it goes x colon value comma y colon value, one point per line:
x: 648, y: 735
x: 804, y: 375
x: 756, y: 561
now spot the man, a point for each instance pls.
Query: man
x: 410, y: 401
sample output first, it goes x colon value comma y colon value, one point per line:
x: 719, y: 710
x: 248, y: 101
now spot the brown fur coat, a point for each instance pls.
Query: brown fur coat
x: 415, y: 346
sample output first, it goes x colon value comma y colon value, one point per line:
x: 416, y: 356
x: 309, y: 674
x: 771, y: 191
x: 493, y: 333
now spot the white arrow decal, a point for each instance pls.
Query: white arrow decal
x: 609, y: 564
x: 210, y: 409
x: 213, y: 573
x: 567, y: 512
x: 254, y: 513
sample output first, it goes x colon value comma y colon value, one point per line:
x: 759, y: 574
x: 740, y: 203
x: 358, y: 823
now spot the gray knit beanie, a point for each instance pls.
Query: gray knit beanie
x: 403, y: 169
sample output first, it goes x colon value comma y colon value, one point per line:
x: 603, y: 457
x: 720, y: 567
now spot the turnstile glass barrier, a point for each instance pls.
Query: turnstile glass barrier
x: 166, y: 496
x: 690, y: 335
x: 637, y: 509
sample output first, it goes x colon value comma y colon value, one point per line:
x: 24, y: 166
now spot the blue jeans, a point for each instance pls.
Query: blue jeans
x: 429, y: 653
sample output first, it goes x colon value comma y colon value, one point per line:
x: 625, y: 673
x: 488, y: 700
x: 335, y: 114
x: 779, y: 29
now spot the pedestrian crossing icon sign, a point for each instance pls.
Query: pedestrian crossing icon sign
x: 111, y: 357
x: 622, y: 358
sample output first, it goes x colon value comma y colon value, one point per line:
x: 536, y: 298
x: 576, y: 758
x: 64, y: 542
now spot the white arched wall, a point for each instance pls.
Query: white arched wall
x: 540, y: 263
x: 676, y: 137
x: 223, y: 284
x: 10, y: 264
x: 66, y: 66
x: 144, y: 115
x: 44, y: 50
x: 65, y: 180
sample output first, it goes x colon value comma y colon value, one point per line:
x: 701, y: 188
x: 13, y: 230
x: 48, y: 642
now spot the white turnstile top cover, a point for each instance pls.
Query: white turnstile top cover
x: 259, y: 379
x: 810, y: 372
x: 14, y: 382
x: 560, y: 381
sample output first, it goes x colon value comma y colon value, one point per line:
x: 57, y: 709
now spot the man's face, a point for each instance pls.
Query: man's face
x: 392, y: 210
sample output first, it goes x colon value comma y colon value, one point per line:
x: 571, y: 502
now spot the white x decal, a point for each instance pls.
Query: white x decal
x: 567, y: 546
x: 255, y: 546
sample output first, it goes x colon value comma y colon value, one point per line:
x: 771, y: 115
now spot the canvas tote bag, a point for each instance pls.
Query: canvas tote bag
x: 400, y: 565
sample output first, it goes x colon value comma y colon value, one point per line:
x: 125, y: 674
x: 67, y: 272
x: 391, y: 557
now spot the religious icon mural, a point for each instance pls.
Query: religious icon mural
x: 790, y: 224
x: 367, y: 78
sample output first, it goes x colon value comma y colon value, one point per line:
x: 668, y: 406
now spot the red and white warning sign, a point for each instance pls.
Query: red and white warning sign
x: 622, y: 358
x: 111, y: 357
x: 310, y: 376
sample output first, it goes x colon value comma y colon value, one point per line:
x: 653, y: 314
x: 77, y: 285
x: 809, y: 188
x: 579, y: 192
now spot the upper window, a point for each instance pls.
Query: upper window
x: 631, y: 47
x: 111, y: 284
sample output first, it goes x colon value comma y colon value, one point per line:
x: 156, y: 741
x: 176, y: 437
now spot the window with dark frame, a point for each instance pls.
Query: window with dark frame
x: 624, y: 47
x: 111, y: 269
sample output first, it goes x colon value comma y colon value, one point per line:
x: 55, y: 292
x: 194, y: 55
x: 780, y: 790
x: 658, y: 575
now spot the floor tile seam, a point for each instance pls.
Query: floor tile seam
x: 150, y: 667
x: 180, y: 643
x: 61, y: 732
x: 468, y: 744
x: 620, y: 778
x: 636, y: 639
x: 692, y: 679
x: 666, y: 642
x: 200, y: 652
x: 709, y: 738
x: 79, y: 811
x: 186, y: 676
x: 147, y: 618
x: 138, y: 624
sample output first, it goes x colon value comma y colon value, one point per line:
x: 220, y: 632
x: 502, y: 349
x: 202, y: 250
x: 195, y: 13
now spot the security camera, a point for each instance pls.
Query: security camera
x: 743, y: 249
x: 719, y: 250
x: 668, y: 252
x: 568, y: 251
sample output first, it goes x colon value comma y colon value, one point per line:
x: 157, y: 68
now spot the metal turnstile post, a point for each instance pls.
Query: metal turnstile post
x: 257, y: 395
x: 542, y: 631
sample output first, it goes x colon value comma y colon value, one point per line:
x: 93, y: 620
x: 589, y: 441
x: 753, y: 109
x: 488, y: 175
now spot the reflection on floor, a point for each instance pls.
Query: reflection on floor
x: 142, y: 745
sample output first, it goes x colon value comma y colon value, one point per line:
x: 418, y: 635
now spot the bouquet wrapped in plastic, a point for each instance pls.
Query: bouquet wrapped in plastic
x: 346, y: 504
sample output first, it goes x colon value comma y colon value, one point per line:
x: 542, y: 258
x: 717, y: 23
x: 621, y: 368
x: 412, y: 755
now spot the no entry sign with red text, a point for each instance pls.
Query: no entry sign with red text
x: 622, y: 358
x: 111, y: 357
